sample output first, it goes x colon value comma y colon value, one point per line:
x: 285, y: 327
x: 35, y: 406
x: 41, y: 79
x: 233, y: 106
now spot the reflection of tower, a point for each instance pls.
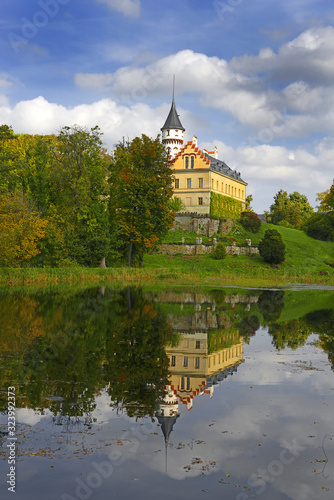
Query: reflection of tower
x: 168, y: 414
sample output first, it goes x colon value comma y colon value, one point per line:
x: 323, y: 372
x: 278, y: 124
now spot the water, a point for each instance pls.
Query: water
x: 124, y: 393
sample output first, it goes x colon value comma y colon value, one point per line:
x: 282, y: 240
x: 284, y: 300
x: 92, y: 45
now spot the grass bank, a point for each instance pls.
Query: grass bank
x: 307, y: 261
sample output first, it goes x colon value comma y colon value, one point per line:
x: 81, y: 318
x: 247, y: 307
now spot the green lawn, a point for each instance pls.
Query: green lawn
x: 305, y: 258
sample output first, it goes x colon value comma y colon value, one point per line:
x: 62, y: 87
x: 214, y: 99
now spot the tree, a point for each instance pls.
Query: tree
x: 293, y: 209
x: 176, y: 204
x: 79, y: 189
x: 249, y: 200
x: 326, y: 199
x: 272, y: 247
x: 141, y: 187
x: 21, y: 228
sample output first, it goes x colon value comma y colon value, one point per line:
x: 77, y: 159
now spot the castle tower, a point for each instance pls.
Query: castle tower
x: 172, y: 131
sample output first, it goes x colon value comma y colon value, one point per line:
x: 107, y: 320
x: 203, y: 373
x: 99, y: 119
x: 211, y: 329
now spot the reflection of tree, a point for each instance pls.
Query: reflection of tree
x: 322, y: 322
x: 270, y: 304
x: 248, y: 327
x: 137, y: 365
x: 291, y: 334
x: 89, y: 340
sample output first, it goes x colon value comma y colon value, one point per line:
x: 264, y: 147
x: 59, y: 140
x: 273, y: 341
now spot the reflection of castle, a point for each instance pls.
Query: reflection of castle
x: 209, y: 349
x: 194, y: 370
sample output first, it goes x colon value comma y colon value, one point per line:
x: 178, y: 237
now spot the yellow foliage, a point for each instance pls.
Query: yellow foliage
x: 21, y: 228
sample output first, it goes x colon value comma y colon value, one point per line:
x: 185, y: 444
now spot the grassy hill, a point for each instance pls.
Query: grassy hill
x: 306, y: 259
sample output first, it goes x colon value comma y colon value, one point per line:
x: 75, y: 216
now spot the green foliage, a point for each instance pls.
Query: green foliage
x: 249, y: 200
x: 292, y: 208
x: 141, y: 187
x: 250, y: 221
x: 320, y: 226
x: 326, y: 199
x: 272, y: 247
x: 224, y: 206
x: 219, y: 252
x: 64, y: 178
x: 176, y: 204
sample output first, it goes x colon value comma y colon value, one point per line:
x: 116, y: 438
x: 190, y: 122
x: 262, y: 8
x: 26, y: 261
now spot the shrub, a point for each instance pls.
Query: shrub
x: 219, y: 251
x: 250, y: 221
x: 271, y: 247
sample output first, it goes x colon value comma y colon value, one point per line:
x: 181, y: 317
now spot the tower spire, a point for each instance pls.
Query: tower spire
x: 172, y: 131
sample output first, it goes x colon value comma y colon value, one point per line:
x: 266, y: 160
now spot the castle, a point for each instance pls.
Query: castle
x: 205, y: 184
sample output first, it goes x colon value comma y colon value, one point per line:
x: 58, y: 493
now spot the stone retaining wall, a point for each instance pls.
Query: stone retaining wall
x: 173, y: 249
x: 202, y: 224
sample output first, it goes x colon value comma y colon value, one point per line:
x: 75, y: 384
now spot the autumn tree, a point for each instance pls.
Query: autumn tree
x: 141, y: 187
x: 21, y: 228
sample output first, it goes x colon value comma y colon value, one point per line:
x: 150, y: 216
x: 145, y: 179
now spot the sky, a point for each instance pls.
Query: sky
x: 253, y: 77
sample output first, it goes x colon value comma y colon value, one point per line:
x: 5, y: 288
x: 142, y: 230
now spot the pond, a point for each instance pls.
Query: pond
x: 132, y: 392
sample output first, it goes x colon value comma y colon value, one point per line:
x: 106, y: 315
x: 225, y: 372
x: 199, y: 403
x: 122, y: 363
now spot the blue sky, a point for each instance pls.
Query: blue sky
x: 254, y: 77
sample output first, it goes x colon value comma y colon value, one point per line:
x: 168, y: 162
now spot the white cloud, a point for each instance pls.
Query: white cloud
x: 129, y: 8
x: 248, y: 88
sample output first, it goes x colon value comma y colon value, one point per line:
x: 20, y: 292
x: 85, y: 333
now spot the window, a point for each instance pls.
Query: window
x: 222, y: 187
x: 217, y: 186
x: 188, y: 383
x: 200, y: 182
x: 188, y: 183
x: 177, y: 183
x: 200, y: 201
x: 176, y: 132
x: 226, y: 188
x: 213, y: 186
x: 173, y: 361
x: 186, y: 162
x: 192, y: 162
x: 197, y: 363
x: 182, y: 383
x: 198, y: 344
x: 167, y: 132
x: 185, y: 362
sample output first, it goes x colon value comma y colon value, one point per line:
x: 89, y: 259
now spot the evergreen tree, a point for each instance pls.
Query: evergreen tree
x: 272, y: 247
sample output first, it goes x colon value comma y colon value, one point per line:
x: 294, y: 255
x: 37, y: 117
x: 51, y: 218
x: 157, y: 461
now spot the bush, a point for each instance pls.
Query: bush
x: 271, y: 247
x: 250, y: 221
x: 219, y: 251
x: 320, y: 227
